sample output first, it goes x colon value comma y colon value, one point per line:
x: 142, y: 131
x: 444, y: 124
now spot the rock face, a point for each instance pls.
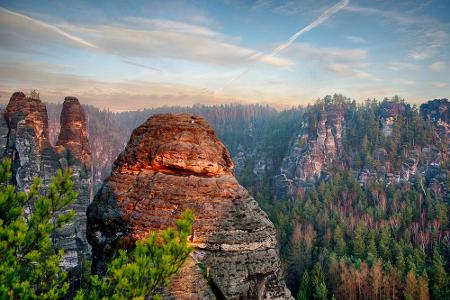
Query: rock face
x: 317, y: 148
x: 28, y: 144
x: 24, y: 138
x: 437, y: 112
x: 389, y: 114
x: 173, y: 163
x: 74, y: 152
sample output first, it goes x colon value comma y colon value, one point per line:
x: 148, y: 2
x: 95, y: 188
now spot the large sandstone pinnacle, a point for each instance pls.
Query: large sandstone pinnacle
x: 74, y: 152
x: 173, y: 163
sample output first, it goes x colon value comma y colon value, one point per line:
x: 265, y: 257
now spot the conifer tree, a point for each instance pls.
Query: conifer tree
x: 29, y: 260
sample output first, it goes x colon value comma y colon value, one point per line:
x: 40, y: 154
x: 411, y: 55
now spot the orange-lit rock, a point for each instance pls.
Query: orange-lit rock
x: 173, y: 163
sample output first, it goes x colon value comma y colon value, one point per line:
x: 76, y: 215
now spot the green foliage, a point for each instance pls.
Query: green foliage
x: 304, y: 291
x: 29, y: 259
x: 359, y: 231
x: 137, y: 274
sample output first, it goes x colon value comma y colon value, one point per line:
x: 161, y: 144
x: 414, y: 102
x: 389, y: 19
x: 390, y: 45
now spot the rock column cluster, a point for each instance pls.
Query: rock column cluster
x: 24, y: 138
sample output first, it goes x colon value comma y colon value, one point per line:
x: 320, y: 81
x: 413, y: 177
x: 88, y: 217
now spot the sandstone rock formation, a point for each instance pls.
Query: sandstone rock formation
x: 389, y: 113
x: 74, y: 152
x: 28, y: 144
x: 173, y: 163
x: 317, y: 148
x: 437, y: 112
x: 24, y: 138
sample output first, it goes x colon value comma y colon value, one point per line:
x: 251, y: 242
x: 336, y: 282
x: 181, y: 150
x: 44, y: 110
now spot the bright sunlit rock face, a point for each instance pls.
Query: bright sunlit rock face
x: 173, y: 163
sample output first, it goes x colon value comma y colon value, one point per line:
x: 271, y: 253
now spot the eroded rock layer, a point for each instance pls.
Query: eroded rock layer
x: 173, y: 163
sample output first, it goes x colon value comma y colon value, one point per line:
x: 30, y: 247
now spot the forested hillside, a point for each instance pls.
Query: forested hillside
x: 369, y: 218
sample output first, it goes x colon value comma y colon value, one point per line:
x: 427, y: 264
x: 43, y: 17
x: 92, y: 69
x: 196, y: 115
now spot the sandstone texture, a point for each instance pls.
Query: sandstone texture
x: 318, y: 150
x: 173, y: 163
x: 74, y: 152
x: 389, y: 114
x: 27, y: 143
x: 314, y: 151
x: 24, y: 138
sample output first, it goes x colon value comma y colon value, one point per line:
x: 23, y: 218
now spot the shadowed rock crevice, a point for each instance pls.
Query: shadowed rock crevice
x: 173, y: 163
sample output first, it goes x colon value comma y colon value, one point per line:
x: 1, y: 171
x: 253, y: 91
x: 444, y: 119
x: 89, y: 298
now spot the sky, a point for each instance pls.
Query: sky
x: 128, y: 55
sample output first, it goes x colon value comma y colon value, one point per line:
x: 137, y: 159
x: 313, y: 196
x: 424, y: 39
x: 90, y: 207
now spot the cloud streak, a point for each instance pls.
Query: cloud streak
x: 50, y: 27
x: 132, y: 38
x: 322, y: 18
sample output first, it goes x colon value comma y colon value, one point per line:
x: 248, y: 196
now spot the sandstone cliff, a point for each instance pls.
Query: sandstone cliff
x: 24, y: 138
x: 176, y: 162
x: 316, y: 149
x: 389, y: 114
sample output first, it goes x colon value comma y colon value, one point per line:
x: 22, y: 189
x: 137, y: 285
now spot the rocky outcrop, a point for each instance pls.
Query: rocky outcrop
x: 437, y: 113
x: 74, y: 152
x: 24, y: 138
x: 436, y: 110
x: 173, y: 163
x: 28, y: 144
x: 316, y: 149
x: 390, y: 110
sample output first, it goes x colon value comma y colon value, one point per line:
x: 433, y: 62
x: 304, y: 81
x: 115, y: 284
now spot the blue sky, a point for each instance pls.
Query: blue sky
x: 127, y: 55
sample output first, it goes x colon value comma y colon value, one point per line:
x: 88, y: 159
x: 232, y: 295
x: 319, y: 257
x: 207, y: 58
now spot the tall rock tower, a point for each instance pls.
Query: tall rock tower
x: 24, y: 138
x: 74, y: 152
x: 27, y: 141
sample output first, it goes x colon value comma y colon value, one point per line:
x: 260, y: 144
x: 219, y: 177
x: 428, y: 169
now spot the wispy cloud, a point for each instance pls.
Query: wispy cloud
x: 356, y: 39
x: 5, y: 17
x: 438, y: 66
x: 54, y: 82
x: 439, y: 84
x: 399, y: 66
x: 327, y: 54
x: 398, y: 17
x: 344, y: 62
x: 260, y: 4
x: 138, y: 38
x: 404, y: 81
x: 345, y: 70
x: 322, y: 18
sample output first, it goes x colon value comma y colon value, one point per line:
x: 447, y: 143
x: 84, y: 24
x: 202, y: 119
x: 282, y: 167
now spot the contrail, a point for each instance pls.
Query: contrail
x: 322, y: 18
x: 51, y: 27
